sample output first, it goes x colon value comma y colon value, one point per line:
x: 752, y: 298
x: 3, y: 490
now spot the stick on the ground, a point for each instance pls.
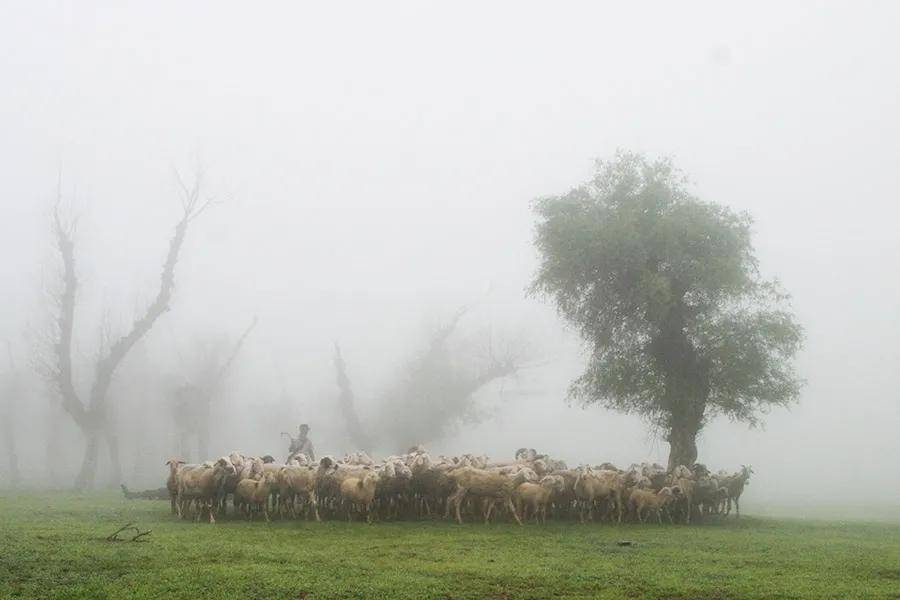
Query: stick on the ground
x: 114, y: 536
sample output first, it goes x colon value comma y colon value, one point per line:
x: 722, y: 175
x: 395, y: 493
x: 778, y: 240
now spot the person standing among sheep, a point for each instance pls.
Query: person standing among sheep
x: 302, y: 444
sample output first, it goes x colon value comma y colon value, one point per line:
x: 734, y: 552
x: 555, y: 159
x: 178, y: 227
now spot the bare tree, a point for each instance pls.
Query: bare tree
x: 192, y: 400
x: 434, y: 392
x: 346, y: 404
x: 92, y: 417
x: 12, y: 390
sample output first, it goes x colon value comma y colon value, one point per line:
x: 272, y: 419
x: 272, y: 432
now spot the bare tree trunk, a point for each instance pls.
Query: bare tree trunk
x: 682, y: 447
x: 203, y: 440
x: 10, y: 448
x: 52, y: 444
x: 184, y: 446
x: 112, y: 446
x: 347, y: 405
x: 92, y: 417
x: 88, y: 471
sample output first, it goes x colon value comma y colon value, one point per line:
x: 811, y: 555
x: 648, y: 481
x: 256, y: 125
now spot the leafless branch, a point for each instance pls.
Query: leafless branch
x: 138, y: 534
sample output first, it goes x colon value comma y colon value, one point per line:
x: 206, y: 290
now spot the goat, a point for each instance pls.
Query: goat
x: 735, y: 486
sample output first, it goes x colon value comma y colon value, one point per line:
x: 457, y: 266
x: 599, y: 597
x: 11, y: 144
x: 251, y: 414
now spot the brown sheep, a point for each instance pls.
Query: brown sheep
x: 641, y: 500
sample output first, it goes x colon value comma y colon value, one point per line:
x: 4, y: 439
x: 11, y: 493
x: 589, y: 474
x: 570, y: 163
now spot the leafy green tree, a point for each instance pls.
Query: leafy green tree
x: 664, y: 288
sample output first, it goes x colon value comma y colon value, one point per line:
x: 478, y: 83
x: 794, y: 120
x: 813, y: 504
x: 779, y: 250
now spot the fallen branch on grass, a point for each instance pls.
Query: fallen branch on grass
x: 138, y: 534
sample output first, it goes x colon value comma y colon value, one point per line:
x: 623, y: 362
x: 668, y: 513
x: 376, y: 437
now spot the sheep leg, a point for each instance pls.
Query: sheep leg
x: 456, y: 500
x: 619, y: 504
x: 487, y: 510
x: 737, y: 506
x: 315, y: 506
x: 173, y: 497
x: 512, y: 508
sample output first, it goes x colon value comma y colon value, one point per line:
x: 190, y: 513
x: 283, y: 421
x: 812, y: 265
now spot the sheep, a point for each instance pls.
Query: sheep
x: 708, y: 495
x: 298, y: 460
x: 359, y: 458
x: 203, y: 485
x: 641, y: 500
x: 536, y: 496
x: 393, y: 489
x: 482, y: 483
x: 682, y: 472
x: 526, y: 454
x: 685, y: 489
x: 592, y: 486
x: 358, y: 493
x: 174, y: 465
x: 297, y: 482
x: 253, y: 494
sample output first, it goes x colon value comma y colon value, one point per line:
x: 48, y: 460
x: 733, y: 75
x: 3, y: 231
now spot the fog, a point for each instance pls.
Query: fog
x: 373, y: 168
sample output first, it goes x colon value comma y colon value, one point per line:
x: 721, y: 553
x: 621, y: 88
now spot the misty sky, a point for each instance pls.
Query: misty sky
x: 374, y: 165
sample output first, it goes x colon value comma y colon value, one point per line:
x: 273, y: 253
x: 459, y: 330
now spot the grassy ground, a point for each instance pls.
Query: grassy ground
x: 53, y: 546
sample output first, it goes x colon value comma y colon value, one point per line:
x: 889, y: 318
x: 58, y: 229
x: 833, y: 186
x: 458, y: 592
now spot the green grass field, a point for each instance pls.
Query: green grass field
x: 52, y: 545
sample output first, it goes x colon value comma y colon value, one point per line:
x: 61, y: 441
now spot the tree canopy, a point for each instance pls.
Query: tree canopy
x: 666, y: 290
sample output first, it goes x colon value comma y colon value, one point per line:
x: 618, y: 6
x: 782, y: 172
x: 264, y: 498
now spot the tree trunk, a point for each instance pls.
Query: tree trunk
x: 347, y: 404
x: 203, y: 441
x: 52, y: 445
x: 112, y: 446
x: 184, y: 446
x: 10, y: 443
x: 88, y: 471
x: 682, y: 446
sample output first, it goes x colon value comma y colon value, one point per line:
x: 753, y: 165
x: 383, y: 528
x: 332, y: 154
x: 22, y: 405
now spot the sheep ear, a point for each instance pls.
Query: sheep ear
x: 168, y: 462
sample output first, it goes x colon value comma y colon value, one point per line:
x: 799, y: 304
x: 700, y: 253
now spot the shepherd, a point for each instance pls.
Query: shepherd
x: 302, y: 445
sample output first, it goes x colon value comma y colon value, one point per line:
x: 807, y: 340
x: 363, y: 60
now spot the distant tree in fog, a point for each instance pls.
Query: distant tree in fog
x: 92, y: 417
x: 347, y: 405
x: 435, y: 388
x: 191, y: 400
x: 665, y: 290
x: 11, y: 390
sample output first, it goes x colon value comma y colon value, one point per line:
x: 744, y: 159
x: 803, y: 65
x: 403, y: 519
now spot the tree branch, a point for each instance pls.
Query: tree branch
x: 107, y: 365
x: 62, y: 373
x: 226, y: 367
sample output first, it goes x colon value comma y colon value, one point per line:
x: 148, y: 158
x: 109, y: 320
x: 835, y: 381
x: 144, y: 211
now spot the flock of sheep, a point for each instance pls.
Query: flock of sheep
x: 414, y: 485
